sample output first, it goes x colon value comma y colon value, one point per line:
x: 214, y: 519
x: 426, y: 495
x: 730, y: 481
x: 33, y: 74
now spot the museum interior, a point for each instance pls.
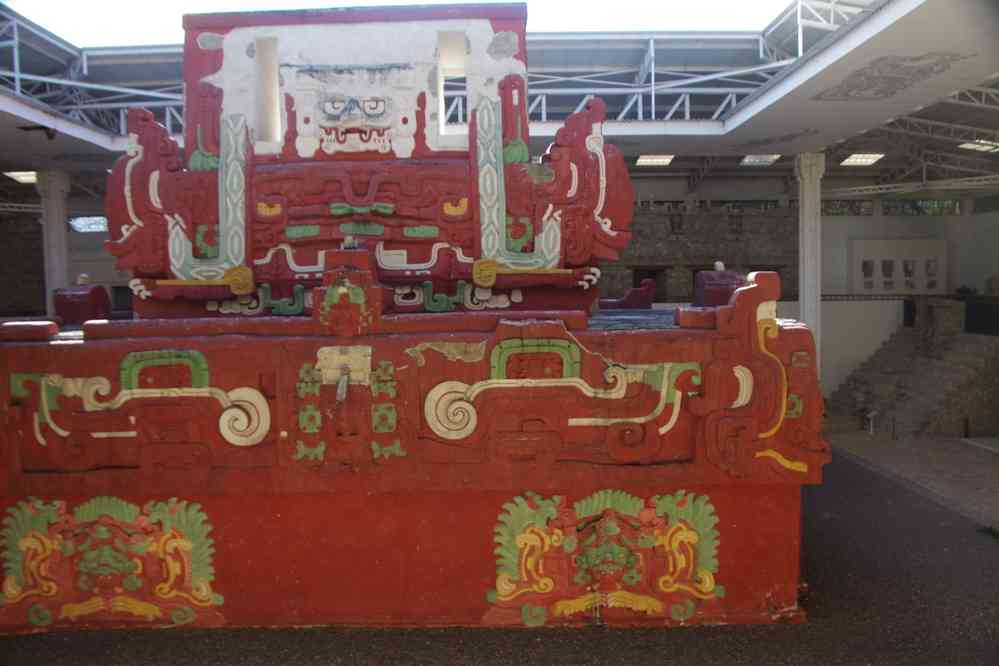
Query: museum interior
x: 894, y: 120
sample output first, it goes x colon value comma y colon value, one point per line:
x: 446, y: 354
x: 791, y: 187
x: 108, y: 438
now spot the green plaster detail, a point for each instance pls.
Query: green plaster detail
x: 310, y: 419
x: 533, y: 616
x: 19, y: 392
x: 698, y: 512
x: 516, y: 152
x: 520, y: 243
x: 421, y: 231
x: 201, y: 159
x: 365, y: 228
x: 541, y: 173
x: 315, y: 453
x: 517, y: 515
x: 795, y: 406
x: 570, y: 543
x: 653, y: 377
x: 383, y: 380
x: 354, y: 293
x: 567, y: 350
x: 442, y: 302
x: 607, y: 557
x: 380, y: 208
x: 283, y: 306
x: 383, y: 417
x: 182, y: 615
x: 39, y: 615
x: 32, y: 515
x: 393, y: 450
x: 106, y: 560
x: 600, y: 501
x: 302, y: 231
x: 683, y: 611
x: 135, y: 362
x: 205, y: 249
x: 115, y: 508
x: 309, y: 381
x: 132, y: 583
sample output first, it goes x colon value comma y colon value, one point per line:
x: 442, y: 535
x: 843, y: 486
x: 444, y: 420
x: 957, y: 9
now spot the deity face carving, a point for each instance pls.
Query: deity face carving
x: 355, y: 124
x: 364, y: 109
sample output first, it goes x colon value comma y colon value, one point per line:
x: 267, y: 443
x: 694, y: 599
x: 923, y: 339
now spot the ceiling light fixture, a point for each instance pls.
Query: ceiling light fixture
x: 654, y: 160
x: 23, y: 177
x: 862, y: 159
x: 759, y: 160
x: 982, y: 146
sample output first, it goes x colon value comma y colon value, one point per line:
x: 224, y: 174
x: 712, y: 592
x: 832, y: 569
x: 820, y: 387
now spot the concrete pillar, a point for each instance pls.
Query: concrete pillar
x: 809, y: 168
x: 53, y: 187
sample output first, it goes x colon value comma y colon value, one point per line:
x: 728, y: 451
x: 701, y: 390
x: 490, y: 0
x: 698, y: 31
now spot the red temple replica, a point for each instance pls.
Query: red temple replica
x: 364, y: 385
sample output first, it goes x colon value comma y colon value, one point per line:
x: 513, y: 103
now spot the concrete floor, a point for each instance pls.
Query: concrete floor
x: 894, y: 578
x: 960, y: 474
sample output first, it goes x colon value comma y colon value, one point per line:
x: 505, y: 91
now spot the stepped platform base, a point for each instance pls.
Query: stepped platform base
x: 574, y: 553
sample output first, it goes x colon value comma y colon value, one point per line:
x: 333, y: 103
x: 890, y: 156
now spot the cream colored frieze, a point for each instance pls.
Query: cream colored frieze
x: 356, y: 87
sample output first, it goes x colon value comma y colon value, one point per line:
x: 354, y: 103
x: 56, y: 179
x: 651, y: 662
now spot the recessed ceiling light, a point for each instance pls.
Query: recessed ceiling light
x: 759, y: 160
x: 862, y: 159
x: 654, y: 160
x: 982, y: 146
x: 24, y: 177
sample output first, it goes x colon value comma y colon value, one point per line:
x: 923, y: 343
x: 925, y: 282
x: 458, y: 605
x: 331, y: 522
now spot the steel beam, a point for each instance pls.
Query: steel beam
x: 973, y: 183
x: 933, y: 129
x: 979, y: 98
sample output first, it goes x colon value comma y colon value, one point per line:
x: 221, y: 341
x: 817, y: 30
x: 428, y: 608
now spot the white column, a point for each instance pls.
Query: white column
x: 809, y: 167
x: 53, y: 186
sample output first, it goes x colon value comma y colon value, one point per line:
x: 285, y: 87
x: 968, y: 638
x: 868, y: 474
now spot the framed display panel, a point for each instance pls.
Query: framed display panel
x: 899, y: 266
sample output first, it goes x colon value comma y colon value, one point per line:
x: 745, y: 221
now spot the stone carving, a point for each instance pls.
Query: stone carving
x: 108, y: 560
x: 610, y: 553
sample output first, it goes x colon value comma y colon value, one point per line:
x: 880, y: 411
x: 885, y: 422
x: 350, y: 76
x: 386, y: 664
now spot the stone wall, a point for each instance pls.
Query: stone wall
x: 671, y: 246
x: 22, y: 267
x: 974, y: 409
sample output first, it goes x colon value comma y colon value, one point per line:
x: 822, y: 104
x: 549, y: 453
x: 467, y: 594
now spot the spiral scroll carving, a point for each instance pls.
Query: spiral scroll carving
x: 448, y: 412
x: 247, y: 420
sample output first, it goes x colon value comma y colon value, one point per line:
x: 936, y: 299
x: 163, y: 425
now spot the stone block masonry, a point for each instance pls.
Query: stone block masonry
x: 671, y: 247
x: 22, y: 268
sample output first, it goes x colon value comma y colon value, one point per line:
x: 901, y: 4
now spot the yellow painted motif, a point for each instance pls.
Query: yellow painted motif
x: 484, y: 272
x: 36, y: 549
x: 768, y: 328
x: 793, y: 465
x: 467, y: 352
x: 166, y: 549
x: 617, y: 599
x: 124, y: 604
x: 268, y: 209
x: 332, y: 362
x: 533, y: 543
x: 239, y: 279
x: 92, y: 605
x: 678, y: 544
x: 452, y: 210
